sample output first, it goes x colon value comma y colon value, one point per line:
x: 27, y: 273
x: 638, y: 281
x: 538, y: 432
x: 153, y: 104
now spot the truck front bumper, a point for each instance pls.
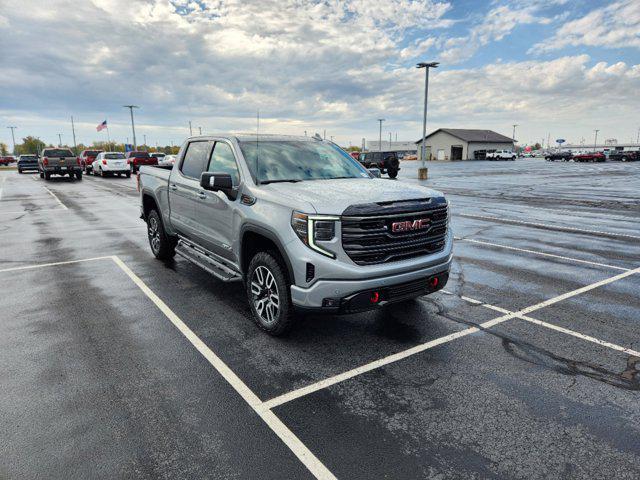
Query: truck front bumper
x: 348, y: 296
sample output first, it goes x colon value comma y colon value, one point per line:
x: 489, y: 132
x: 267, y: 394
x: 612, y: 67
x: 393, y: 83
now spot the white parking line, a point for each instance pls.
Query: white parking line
x: 557, y: 328
x: 549, y: 226
x: 327, y: 382
x: 57, y: 199
x: 41, y: 265
x: 544, y: 254
x: 280, y: 429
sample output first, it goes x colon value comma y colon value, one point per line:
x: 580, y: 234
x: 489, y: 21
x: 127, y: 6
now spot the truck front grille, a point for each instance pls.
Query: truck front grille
x: 370, y: 240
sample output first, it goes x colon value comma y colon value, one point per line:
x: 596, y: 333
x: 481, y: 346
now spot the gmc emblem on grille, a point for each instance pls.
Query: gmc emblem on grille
x: 409, y: 225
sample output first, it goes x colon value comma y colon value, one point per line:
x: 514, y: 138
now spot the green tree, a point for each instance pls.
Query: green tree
x: 30, y: 145
x: 4, y: 150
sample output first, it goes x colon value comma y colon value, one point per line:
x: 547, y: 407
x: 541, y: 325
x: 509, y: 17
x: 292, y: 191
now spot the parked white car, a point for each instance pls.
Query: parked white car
x: 111, y: 163
x: 167, y: 161
x: 501, y: 155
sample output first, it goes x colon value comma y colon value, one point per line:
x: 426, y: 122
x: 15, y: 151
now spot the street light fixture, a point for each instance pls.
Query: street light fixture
x: 426, y: 66
x: 133, y: 127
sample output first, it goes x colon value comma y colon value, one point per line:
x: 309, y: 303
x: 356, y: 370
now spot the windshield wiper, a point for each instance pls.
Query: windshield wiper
x: 265, y: 182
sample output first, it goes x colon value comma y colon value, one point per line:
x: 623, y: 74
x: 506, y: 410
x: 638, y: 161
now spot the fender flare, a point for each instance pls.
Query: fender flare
x: 253, y: 228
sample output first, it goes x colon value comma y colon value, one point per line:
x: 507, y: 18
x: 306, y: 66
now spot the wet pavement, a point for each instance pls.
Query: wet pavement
x: 98, y: 382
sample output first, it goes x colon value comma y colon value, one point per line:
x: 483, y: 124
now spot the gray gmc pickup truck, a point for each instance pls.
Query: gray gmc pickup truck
x: 302, y: 224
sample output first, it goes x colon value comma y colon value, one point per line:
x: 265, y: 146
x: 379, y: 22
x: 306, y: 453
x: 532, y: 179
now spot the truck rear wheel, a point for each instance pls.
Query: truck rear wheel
x: 162, y: 245
x: 268, y: 294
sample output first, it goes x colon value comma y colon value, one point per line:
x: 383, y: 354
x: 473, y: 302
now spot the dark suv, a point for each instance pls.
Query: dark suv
x: 387, y: 162
x: 558, y: 156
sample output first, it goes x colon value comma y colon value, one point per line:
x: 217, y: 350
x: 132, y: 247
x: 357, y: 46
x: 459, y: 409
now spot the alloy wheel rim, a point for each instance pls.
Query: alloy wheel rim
x: 154, y: 234
x: 266, y: 299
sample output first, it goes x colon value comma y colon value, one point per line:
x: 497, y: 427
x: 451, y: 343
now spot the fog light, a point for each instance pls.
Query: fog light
x: 330, y: 302
x: 375, y: 297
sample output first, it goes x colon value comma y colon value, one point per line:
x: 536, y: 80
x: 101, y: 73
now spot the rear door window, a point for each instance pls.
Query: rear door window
x: 195, y: 159
x: 58, y: 152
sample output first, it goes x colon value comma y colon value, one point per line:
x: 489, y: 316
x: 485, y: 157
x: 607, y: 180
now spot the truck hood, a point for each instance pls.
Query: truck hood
x: 332, y: 197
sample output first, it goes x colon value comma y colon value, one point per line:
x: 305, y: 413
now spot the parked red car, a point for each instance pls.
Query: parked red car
x: 355, y: 155
x: 137, y: 159
x: 590, y: 157
x: 7, y: 160
x: 87, y: 157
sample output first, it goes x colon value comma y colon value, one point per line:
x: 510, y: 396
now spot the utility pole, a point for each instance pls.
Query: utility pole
x: 59, y: 139
x: 380, y: 136
x: 548, y: 140
x: 638, y: 136
x: 73, y: 130
x: 513, y: 137
x: 133, y: 127
x: 325, y: 134
x: 595, y: 140
x: 144, y: 137
x: 364, y: 144
x: 190, y: 129
x: 426, y: 66
x: 13, y: 137
x: 389, y: 140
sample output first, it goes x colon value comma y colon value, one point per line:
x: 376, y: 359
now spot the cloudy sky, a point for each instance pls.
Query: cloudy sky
x: 554, y: 67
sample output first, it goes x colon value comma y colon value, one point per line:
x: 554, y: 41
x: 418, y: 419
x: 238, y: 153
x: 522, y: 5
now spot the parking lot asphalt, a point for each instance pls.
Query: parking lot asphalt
x: 527, y: 365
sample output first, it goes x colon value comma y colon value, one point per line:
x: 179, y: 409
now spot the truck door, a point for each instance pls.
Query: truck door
x: 215, y: 210
x: 184, y: 187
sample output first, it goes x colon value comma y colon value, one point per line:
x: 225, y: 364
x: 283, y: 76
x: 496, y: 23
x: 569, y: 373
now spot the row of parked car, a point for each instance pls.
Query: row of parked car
x: 62, y: 161
x: 616, y: 155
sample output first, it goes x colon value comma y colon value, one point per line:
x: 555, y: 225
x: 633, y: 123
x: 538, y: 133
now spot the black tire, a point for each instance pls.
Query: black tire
x: 102, y: 174
x: 275, y: 320
x: 393, y: 173
x: 19, y: 171
x: 41, y: 174
x: 47, y: 176
x: 79, y: 174
x: 128, y: 174
x: 624, y: 159
x: 162, y: 245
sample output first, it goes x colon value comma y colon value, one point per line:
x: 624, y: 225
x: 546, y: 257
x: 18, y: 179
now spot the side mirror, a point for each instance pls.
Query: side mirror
x: 375, y: 172
x: 214, y: 182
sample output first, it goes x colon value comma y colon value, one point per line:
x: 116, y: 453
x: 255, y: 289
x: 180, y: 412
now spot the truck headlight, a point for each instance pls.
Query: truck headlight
x: 314, y: 228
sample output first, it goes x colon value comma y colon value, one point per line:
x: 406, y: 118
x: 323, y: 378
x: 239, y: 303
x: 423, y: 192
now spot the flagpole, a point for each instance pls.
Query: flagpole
x: 108, y: 136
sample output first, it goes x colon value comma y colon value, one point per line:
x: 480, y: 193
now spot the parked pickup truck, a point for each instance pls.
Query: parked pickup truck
x: 59, y: 161
x: 501, y: 155
x: 137, y: 159
x: 27, y: 162
x: 386, y: 162
x: 302, y: 224
x: 558, y: 156
x: 624, y: 156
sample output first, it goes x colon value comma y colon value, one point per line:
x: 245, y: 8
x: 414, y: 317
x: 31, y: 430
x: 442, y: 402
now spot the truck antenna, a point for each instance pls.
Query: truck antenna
x: 257, y: 146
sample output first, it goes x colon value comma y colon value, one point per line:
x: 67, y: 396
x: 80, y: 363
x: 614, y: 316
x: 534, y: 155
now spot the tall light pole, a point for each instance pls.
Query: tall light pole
x: 380, y: 137
x: 426, y: 66
x: 73, y: 131
x: 513, y: 137
x: 144, y: 137
x: 595, y: 140
x: 638, y: 136
x: 389, y: 140
x: 59, y: 139
x: 13, y: 137
x: 190, y: 129
x: 133, y: 127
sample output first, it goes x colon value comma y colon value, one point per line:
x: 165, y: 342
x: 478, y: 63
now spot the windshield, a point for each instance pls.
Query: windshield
x: 57, y: 152
x: 292, y: 160
x: 140, y: 154
x: 92, y: 153
x: 112, y: 156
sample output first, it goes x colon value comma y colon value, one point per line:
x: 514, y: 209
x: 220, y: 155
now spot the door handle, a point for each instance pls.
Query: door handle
x: 173, y: 186
x: 202, y: 195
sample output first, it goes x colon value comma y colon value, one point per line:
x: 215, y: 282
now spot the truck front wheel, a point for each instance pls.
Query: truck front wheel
x: 268, y: 294
x: 162, y: 245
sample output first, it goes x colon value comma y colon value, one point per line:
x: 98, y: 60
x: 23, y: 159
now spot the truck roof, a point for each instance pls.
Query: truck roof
x: 247, y: 137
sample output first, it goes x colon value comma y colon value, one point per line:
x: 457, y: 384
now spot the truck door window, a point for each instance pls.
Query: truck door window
x: 223, y: 161
x: 195, y: 159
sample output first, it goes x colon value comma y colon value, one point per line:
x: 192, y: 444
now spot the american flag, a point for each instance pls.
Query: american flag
x: 102, y: 126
